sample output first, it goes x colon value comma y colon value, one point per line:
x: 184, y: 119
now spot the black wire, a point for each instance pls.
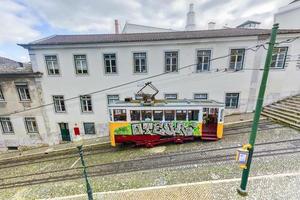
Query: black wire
x: 146, y: 78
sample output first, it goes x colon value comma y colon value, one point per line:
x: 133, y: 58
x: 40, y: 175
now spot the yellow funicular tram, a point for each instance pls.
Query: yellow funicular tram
x: 148, y: 121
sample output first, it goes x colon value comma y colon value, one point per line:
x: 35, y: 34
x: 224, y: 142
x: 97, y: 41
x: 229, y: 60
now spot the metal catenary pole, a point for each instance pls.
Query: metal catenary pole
x: 88, y: 186
x: 258, y: 109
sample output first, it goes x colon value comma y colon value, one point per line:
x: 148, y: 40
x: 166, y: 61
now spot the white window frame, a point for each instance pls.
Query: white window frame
x: 111, y: 57
x: 59, y: 104
x: 29, y: 124
x: 23, y: 91
x: 113, y: 98
x: 6, y: 125
x: 171, y: 67
x: 139, y: 56
x: 79, y: 60
x: 86, y: 103
x: 52, y: 65
x: 233, y: 65
x: 200, y: 94
x: 231, y: 101
x: 203, y: 55
x: 171, y: 94
x: 278, y: 53
x: 2, y: 98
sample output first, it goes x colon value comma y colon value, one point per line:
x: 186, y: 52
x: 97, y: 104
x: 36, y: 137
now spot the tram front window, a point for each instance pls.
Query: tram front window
x: 157, y: 115
x: 135, y: 115
x: 120, y: 115
x: 180, y: 115
x: 193, y: 115
x: 169, y: 115
x: 146, y: 115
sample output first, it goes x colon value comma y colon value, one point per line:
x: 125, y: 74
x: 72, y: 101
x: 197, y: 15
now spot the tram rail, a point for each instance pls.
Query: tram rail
x: 145, y: 163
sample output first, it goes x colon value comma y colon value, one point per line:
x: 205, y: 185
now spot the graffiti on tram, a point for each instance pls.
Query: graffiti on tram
x: 160, y: 128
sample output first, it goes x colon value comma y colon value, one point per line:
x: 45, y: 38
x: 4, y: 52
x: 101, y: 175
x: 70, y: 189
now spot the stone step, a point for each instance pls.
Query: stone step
x: 283, y: 108
x: 297, y: 126
x: 287, y: 106
x: 283, y: 113
x: 295, y: 105
x: 295, y: 98
x: 288, y: 118
x: 292, y: 101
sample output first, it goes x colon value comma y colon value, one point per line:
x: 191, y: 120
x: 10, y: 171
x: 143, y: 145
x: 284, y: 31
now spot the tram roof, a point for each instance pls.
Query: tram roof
x: 169, y: 103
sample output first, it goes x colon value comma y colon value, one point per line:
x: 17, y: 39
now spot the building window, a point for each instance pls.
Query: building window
x: 278, y: 57
x: 59, y: 103
x: 86, y: 103
x: 80, y: 64
x: 23, y: 91
x: 31, y: 125
x: 112, y: 98
x: 140, y: 62
x: 203, y: 60
x: 232, y: 100
x: 110, y: 63
x: 6, y: 125
x: 201, y: 96
x: 171, y: 61
x: 1, y: 94
x: 237, y: 59
x: 89, y: 128
x: 52, y: 65
x: 171, y: 96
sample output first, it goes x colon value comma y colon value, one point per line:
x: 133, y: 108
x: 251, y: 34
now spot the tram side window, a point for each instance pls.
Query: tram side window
x: 135, y: 115
x: 205, y: 111
x: 169, y: 115
x: 193, y: 115
x: 120, y: 115
x: 157, y: 115
x: 146, y: 115
x: 222, y: 115
x: 180, y: 115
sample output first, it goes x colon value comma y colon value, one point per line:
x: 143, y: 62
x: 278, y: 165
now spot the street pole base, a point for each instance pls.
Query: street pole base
x: 242, y: 192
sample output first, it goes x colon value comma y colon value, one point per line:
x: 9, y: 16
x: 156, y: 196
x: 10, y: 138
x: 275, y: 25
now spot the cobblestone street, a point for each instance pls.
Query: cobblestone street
x: 197, y: 171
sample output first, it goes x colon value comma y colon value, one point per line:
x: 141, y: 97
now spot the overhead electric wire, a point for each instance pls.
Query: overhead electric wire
x: 146, y: 78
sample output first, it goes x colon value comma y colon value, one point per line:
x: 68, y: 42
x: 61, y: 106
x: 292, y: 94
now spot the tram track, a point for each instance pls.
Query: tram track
x: 146, y: 163
x: 107, y: 149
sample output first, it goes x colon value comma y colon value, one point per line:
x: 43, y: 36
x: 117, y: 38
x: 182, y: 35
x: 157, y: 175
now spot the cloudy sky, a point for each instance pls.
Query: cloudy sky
x: 22, y: 21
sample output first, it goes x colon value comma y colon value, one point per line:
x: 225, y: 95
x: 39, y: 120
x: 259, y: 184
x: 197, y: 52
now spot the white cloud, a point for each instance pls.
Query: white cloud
x: 20, y: 20
x: 89, y: 16
x: 17, y: 24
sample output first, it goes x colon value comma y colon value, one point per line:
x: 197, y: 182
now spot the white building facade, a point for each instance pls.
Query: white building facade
x: 213, y: 64
x: 287, y: 16
x: 19, y: 91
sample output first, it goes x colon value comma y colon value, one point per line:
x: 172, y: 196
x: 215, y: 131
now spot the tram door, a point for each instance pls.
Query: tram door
x: 210, y: 120
x: 65, y: 132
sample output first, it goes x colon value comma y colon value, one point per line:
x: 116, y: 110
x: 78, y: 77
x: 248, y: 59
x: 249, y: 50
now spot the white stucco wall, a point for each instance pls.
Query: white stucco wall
x: 185, y: 83
x: 288, y: 16
x: 12, y: 103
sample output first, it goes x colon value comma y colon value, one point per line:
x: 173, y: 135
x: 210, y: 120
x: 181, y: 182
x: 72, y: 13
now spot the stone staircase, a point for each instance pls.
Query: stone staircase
x: 286, y: 111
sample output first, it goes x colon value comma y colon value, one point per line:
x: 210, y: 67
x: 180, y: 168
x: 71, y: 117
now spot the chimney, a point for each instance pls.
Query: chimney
x: 211, y: 25
x: 116, y: 26
x: 190, y: 21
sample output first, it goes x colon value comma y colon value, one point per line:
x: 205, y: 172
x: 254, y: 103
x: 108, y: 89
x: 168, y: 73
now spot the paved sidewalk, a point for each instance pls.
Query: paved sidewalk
x: 54, y: 148
x: 267, y: 187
